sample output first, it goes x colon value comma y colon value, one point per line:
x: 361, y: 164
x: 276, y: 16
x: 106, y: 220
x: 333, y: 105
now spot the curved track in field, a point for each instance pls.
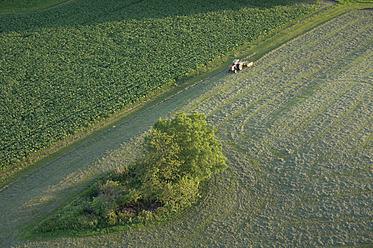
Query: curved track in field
x: 298, y: 133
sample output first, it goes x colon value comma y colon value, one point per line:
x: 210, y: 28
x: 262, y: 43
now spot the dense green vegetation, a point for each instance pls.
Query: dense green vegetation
x: 178, y: 155
x: 69, y: 67
x: 20, y: 6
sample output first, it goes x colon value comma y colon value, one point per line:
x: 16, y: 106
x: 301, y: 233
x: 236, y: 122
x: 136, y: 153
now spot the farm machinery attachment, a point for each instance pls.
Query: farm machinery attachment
x: 238, y: 65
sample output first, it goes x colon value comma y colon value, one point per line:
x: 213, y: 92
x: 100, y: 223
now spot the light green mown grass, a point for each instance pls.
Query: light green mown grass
x: 298, y: 138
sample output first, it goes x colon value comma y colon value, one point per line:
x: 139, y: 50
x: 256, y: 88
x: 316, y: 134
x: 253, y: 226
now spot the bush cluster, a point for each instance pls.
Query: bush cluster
x: 179, y: 155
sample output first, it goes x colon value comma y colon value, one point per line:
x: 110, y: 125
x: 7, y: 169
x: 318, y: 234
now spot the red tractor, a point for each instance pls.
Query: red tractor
x: 238, y: 65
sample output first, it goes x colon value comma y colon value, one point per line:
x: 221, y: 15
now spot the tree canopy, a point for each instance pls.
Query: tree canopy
x: 179, y: 154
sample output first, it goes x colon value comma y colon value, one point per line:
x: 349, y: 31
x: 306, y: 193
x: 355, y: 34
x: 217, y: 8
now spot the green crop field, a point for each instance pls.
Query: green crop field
x: 64, y: 69
x: 298, y: 134
x: 21, y: 6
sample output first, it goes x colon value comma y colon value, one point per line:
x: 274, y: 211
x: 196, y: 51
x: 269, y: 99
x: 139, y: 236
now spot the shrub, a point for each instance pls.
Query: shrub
x: 178, y: 155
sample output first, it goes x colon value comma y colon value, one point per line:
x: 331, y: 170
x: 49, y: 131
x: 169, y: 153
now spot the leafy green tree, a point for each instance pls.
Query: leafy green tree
x: 179, y: 154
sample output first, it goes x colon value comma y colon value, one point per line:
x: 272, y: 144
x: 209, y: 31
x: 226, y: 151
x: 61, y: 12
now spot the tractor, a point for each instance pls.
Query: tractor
x: 238, y: 65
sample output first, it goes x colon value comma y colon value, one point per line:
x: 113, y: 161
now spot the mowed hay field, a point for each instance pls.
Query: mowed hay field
x: 297, y: 132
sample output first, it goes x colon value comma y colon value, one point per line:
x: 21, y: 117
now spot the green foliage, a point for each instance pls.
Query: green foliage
x: 67, y: 68
x: 75, y: 216
x: 107, y: 200
x: 178, y: 155
x: 19, y: 6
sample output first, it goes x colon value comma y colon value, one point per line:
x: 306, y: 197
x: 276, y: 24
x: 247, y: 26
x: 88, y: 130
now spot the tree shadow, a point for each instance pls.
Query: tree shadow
x: 92, y: 12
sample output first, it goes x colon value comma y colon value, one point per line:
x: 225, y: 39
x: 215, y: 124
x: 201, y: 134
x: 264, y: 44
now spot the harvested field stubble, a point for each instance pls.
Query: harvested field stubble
x: 301, y: 118
x: 297, y: 131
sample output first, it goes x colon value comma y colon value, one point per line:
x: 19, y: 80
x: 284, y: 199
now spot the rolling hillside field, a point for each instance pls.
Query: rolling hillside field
x: 296, y: 128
